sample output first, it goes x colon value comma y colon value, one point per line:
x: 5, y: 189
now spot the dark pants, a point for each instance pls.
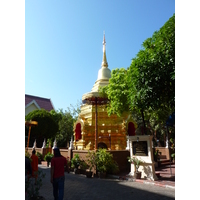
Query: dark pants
x: 58, y: 188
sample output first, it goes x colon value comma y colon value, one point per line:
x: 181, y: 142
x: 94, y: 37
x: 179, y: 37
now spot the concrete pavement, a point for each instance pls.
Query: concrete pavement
x: 166, y: 177
x: 78, y: 187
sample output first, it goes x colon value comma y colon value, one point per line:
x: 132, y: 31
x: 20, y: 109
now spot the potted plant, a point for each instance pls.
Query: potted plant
x: 75, y: 163
x: 105, y: 163
x: 173, y: 157
x: 91, y: 161
x: 88, y: 173
x: 102, y: 161
x: 48, y: 158
x: 156, y: 157
x: 83, y: 166
x: 137, y: 163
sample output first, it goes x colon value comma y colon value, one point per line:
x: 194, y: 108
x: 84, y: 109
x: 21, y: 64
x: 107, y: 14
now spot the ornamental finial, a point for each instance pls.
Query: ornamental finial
x: 104, y: 61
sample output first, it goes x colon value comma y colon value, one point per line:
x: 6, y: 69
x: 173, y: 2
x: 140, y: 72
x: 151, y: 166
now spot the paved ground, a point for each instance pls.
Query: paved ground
x: 78, y: 187
x: 166, y: 178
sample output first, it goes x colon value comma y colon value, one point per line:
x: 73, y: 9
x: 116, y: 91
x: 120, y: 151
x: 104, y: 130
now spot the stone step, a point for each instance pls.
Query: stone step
x: 162, y: 156
x: 157, y: 174
x: 164, y: 162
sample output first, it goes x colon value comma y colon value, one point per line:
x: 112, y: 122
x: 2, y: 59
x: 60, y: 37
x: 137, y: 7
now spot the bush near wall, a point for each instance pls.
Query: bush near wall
x: 119, y: 156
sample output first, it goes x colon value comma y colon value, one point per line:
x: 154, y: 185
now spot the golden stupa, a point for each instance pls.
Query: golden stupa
x: 94, y: 128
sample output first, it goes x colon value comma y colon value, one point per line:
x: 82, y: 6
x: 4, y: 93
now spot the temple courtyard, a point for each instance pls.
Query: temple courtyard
x: 78, y: 187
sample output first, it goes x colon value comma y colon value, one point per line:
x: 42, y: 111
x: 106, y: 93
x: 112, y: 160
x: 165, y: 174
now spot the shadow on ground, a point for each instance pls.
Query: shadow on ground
x: 78, y: 187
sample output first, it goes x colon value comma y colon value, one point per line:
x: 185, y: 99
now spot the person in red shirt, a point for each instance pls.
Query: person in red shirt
x: 34, y: 165
x: 58, y: 163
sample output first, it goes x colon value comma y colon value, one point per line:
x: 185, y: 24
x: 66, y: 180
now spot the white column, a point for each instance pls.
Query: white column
x: 167, y: 139
x: 54, y: 144
x: 127, y: 143
x: 71, y: 144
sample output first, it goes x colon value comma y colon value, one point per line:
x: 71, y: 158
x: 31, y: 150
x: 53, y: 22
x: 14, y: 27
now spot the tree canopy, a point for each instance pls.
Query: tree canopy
x: 65, y: 130
x: 148, y: 85
x: 117, y: 92
x: 151, y: 76
x: 66, y: 121
x: 54, y: 124
x: 46, y: 128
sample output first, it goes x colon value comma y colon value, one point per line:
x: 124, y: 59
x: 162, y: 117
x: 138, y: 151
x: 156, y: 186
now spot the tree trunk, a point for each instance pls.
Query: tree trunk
x: 143, y: 122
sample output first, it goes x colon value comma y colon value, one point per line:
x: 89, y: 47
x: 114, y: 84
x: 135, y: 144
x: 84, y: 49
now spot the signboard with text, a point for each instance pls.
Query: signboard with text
x: 140, y: 148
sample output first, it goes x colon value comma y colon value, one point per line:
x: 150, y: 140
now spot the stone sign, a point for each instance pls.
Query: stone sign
x: 140, y: 148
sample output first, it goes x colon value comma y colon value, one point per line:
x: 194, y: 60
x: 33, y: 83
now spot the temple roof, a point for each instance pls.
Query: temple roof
x: 41, y: 102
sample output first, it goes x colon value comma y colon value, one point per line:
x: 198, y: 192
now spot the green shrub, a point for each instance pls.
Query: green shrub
x: 39, y: 155
x: 91, y: 159
x: 135, y: 161
x: 75, y: 161
x: 28, y: 155
x: 46, y: 128
x: 156, y: 154
x: 105, y: 162
x: 173, y: 156
x: 48, y: 157
x: 32, y: 188
x: 83, y: 165
x: 49, y: 141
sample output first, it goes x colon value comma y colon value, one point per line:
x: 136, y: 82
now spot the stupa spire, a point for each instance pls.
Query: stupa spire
x: 104, y: 61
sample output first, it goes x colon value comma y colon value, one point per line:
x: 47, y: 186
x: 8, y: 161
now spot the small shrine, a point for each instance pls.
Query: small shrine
x: 94, y: 128
x: 141, y: 148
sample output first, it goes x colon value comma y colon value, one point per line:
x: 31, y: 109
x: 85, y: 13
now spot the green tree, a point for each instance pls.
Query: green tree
x: 152, y: 72
x: 148, y: 85
x: 46, y: 128
x: 65, y: 120
x: 117, y: 92
x: 65, y: 130
x: 74, y: 110
x: 57, y: 116
x: 151, y: 76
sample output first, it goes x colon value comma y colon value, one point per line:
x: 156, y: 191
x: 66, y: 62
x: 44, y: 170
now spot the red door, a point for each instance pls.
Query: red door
x: 78, y: 131
x: 131, y: 129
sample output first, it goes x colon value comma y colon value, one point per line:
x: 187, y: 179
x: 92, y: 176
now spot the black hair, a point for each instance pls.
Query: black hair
x: 57, y: 152
x: 33, y: 151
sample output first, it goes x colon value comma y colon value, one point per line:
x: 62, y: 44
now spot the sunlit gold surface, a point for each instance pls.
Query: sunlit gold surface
x: 111, y: 128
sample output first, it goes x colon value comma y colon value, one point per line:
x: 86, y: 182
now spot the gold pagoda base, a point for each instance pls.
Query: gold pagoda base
x: 112, y: 130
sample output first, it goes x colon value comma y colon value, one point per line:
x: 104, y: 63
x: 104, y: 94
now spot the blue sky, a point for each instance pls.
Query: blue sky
x: 63, y: 42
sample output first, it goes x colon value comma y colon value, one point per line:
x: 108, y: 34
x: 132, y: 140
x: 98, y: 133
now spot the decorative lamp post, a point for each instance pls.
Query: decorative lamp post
x: 30, y: 124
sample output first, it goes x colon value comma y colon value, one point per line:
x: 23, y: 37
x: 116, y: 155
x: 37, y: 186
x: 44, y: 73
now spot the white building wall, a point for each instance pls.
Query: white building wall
x: 30, y: 108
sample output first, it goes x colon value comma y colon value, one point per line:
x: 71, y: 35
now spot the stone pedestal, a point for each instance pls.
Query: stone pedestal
x: 34, y: 145
x: 71, y: 146
x: 142, y: 149
x: 54, y: 144
x: 127, y: 143
x: 80, y: 144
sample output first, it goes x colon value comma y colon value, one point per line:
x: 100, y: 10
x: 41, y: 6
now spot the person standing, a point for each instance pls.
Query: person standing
x: 28, y: 169
x: 58, y: 163
x: 28, y: 172
x: 34, y: 165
